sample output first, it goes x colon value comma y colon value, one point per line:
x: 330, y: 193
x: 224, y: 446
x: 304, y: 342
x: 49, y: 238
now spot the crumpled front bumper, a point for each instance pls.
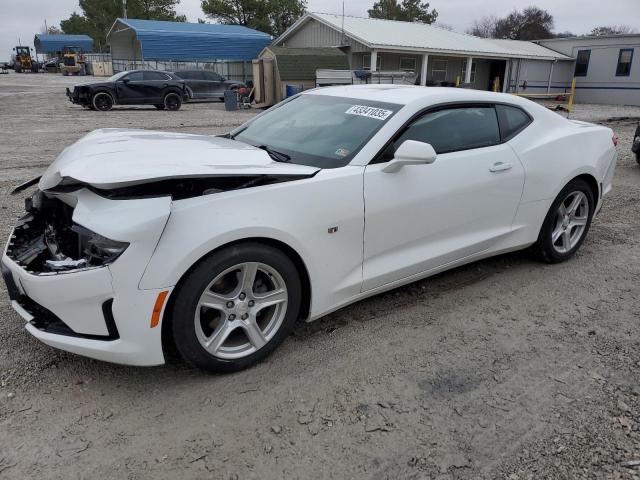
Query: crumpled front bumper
x: 78, y: 97
x: 80, y: 312
x: 99, y: 312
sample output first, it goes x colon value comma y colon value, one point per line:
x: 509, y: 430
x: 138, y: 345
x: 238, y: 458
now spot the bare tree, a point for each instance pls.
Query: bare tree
x: 444, y: 26
x: 485, y: 27
x: 613, y: 30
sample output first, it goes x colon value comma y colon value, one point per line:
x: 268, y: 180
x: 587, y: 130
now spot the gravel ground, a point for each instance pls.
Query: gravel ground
x: 506, y: 368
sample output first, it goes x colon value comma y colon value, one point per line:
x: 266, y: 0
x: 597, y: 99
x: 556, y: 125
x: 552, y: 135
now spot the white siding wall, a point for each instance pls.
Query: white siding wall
x: 316, y: 34
x: 601, y: 85
x: 536, y: 74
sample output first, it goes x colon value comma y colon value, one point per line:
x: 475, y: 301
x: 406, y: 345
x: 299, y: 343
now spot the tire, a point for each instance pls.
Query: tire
x: 172, y: 101
x: 638, y: 158
x: 159, y: 107
x: 561, y: 236
x: 102, y: 101
x: 237, y: 331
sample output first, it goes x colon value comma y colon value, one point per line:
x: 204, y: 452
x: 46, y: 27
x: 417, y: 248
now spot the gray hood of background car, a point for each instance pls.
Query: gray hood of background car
x: 113, y: 158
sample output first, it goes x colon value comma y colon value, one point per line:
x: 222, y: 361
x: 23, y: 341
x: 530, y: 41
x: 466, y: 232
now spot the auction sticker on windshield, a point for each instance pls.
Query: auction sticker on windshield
x: 370, y: 112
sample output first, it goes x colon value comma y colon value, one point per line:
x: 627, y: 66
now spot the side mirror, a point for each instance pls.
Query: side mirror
x: 411, y: 152
x: 125, y: 80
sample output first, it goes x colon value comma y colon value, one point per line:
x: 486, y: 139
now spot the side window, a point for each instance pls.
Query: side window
x: 455, y: 129
x: 135, y: 77
x: 155, y: 76
x: 625, y: 57
x: 582, y: 63
x: 213, y: 76
x: 512, y: 121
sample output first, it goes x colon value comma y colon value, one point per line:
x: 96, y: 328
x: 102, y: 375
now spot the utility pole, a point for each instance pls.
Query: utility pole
x: 124, y: 8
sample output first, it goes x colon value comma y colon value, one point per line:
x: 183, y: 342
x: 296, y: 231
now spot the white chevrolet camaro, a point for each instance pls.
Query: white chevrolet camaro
x: 138, y: 239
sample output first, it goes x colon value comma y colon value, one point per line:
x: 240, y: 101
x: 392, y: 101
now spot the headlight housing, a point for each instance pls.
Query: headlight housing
x: 46, y: 240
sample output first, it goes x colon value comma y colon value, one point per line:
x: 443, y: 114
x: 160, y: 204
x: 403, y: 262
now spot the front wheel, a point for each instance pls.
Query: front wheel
x: 102, y: 101
x: 567, y: 223
x: 236, y: 307
x: 172, y: 101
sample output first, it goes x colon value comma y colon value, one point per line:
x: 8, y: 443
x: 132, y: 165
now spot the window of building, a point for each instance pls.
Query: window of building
x: 366, y: 62
x: 407, y: 64
x: 582, y: 63
x: 439, y: 70
x: 464, y: 71
x: 625, y: 58
x: 455, y: 129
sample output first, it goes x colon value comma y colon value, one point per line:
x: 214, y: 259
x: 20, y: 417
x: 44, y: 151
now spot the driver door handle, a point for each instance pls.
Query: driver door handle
x: 500, y: 167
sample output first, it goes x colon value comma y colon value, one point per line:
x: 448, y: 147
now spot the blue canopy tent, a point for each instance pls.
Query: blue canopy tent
x: 132, y: 39
x: 55, y: 43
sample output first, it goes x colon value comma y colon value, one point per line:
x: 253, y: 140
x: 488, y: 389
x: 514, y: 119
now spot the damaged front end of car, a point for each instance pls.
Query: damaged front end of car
x: 47, y: 240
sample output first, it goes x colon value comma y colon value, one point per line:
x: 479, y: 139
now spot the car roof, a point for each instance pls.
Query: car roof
x: 147, y: 70
x: 406, y: 94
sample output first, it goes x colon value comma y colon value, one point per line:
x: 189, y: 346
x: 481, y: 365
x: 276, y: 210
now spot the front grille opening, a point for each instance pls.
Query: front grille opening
x: 47, y: 321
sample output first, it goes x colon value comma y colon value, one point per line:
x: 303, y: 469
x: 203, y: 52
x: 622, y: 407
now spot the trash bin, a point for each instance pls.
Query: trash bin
x: 230, y: 100
x: 291, y: 90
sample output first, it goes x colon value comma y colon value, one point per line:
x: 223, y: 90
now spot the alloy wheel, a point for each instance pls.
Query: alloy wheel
x: 570, y: 222
x: 102, y: 102
x: 241, y: 310
x: 172, y: 101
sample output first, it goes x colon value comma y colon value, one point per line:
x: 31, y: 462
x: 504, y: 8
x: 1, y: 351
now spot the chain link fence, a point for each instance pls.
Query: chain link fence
x: 240, y: 71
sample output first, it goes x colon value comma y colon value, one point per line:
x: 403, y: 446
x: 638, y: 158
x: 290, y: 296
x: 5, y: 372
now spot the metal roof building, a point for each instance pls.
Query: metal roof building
x: 56, y: 43
x: 178, y: 41
x: 436, y: 55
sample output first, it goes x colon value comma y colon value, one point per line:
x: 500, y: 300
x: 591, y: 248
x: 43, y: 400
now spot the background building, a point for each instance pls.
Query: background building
x: 606, y: 68
x: 179, y: 45
x: 52, y: 44
x: 436, y: 55
x: 293, y: 68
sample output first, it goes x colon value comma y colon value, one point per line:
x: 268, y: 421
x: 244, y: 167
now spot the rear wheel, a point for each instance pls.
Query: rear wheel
x: 102, y: 101
x: 236, y: 307
x: 567, y: 223
x: 172, y: 101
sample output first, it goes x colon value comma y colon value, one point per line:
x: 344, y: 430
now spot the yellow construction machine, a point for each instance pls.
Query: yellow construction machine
x: 22, y: 61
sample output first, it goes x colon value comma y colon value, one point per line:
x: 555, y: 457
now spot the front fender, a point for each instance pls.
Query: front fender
x: 320, y: 218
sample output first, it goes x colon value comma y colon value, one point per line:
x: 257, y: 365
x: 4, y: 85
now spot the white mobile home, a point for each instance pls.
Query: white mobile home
x: 606, y: 68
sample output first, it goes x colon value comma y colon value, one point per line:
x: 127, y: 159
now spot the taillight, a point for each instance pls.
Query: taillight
x: 614, y: 139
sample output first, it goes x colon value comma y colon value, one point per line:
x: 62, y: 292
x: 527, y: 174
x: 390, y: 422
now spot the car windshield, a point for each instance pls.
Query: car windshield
x: 317, y: 130
x: 116, y: 77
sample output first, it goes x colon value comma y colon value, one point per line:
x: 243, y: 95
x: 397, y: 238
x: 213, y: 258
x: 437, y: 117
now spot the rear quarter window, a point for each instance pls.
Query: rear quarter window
x: 512, y: 121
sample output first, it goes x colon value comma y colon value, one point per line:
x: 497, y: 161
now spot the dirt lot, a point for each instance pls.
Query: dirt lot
x: 505, y: 368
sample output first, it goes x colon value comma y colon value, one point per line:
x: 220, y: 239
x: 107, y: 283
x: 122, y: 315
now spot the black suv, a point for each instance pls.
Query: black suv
x: 137, y: 87
x: 205, y: 85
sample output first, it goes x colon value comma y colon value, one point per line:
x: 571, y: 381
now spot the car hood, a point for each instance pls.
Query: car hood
x: 114, y: 158
x: 93, y: 84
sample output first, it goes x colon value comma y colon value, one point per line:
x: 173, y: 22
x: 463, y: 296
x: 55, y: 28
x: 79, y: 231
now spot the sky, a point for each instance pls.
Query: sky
x: 24, y: 18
